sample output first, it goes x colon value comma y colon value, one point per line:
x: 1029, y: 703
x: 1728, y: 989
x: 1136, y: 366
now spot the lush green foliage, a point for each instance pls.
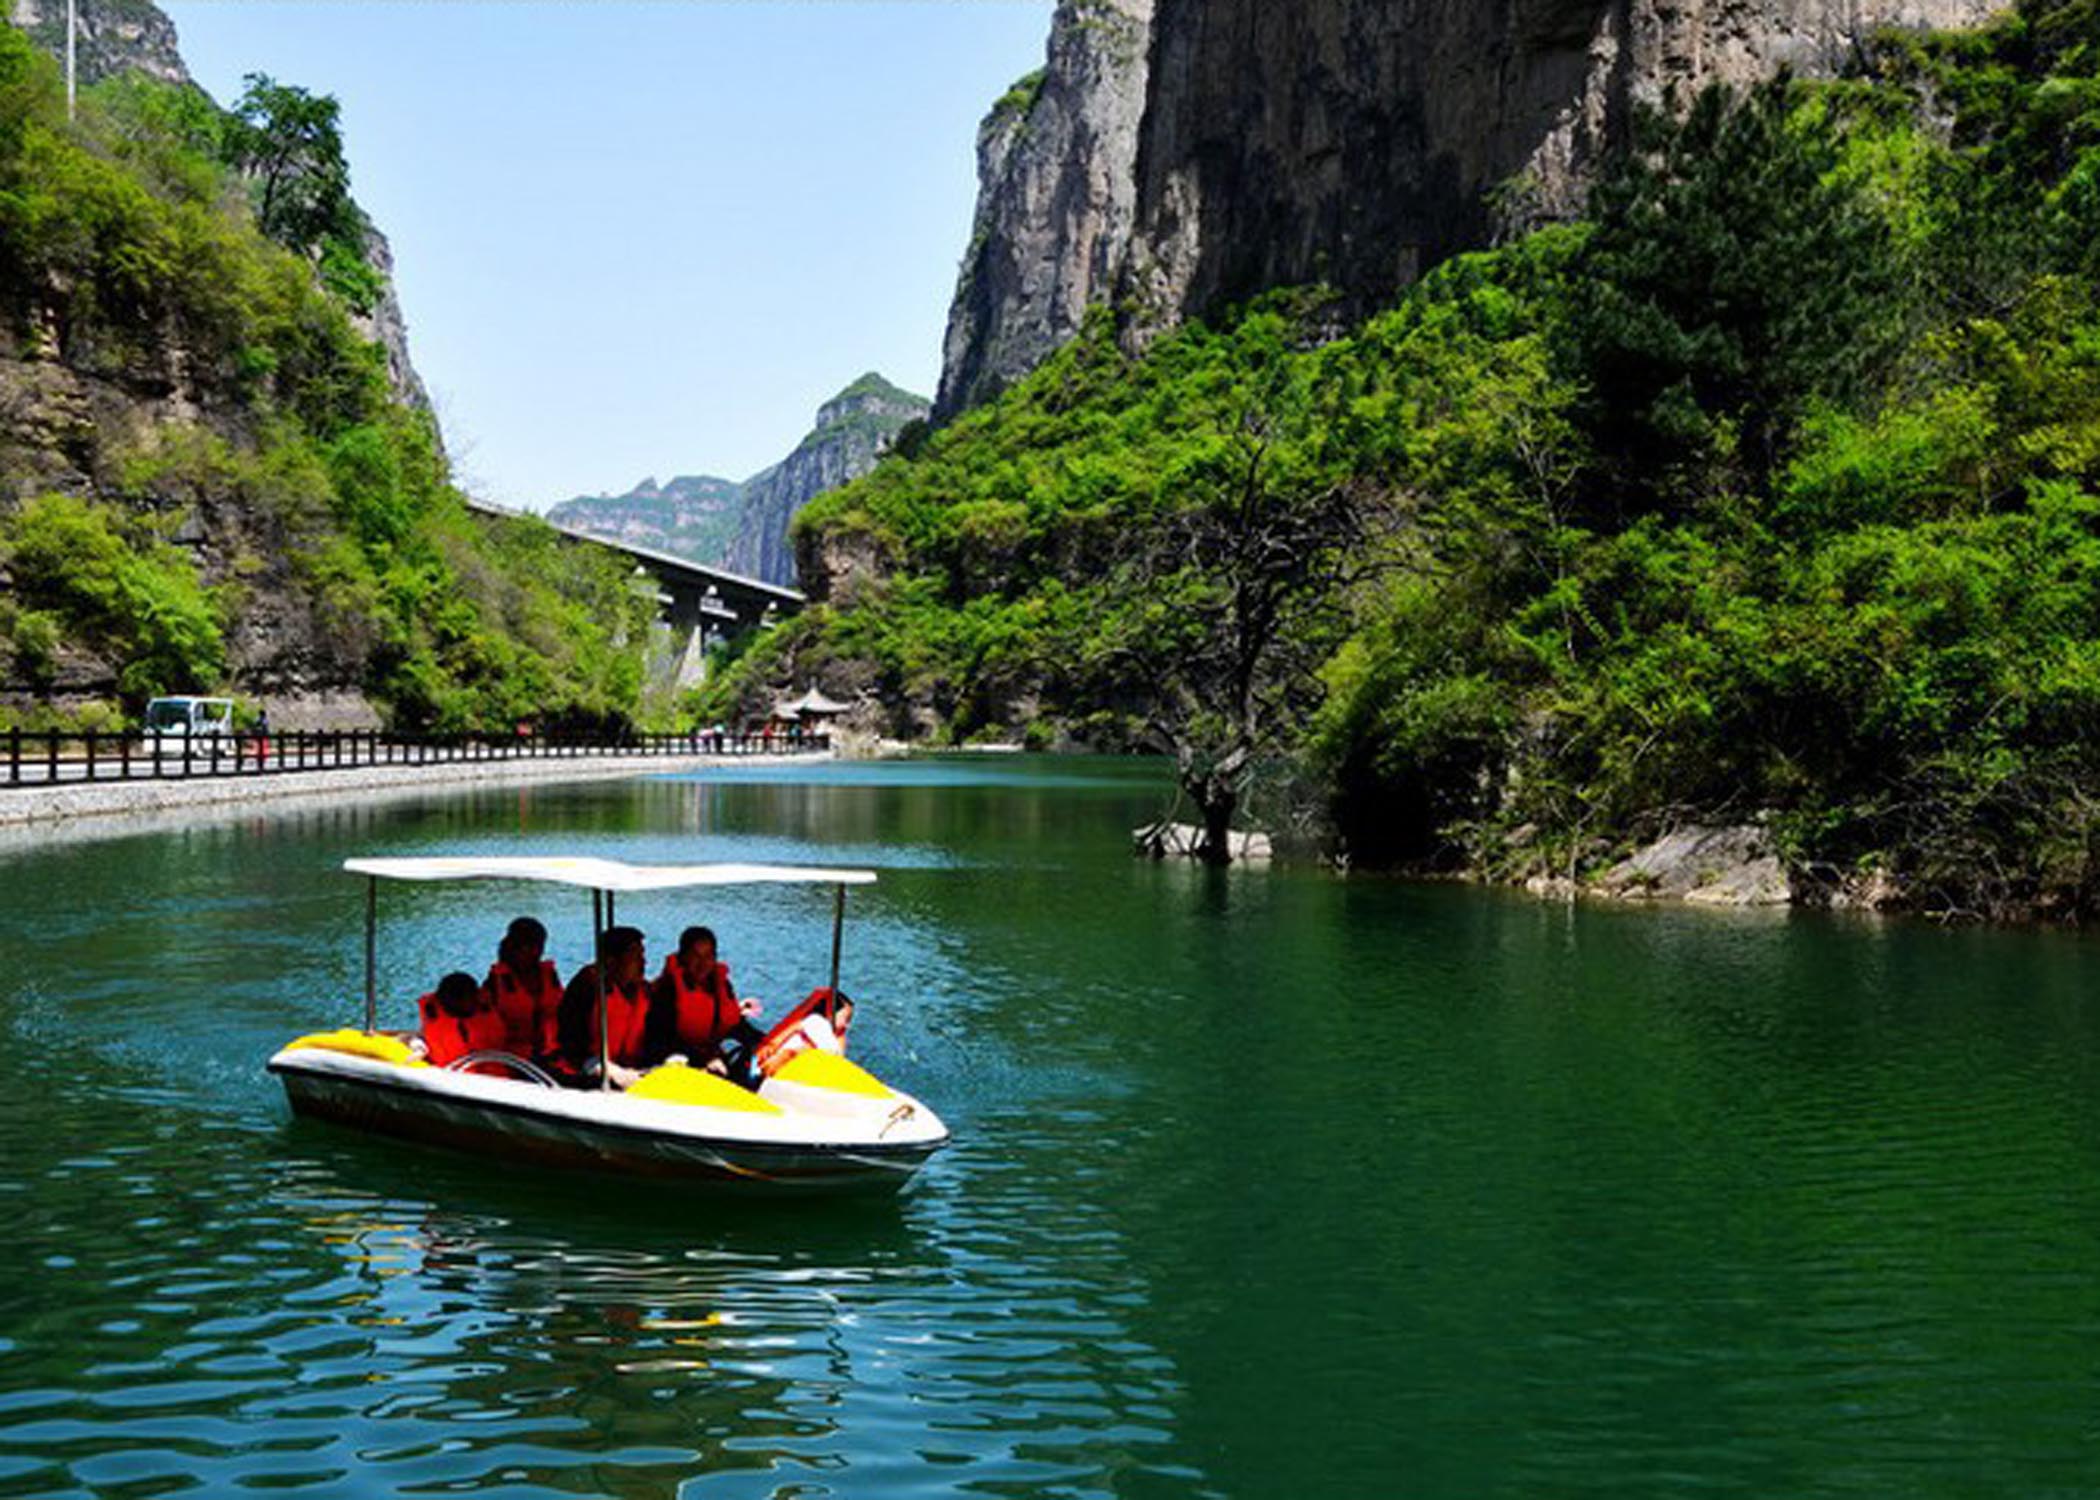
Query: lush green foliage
x: 136, y: 234
x: 1769, y: 491
x: 288, y: 144
x: 91, y: 572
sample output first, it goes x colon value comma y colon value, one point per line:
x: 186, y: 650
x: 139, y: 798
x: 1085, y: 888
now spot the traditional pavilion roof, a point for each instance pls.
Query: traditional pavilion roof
x: 812, y: 703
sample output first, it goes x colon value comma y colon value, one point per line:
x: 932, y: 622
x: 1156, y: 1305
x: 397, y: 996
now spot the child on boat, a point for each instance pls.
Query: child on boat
x: 458, y: 1019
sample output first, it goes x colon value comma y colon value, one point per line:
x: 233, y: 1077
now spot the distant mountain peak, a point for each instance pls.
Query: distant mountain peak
x: 743, y: 526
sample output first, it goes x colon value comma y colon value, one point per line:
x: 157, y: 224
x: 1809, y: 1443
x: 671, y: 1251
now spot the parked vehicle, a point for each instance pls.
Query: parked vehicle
x: 173, y: 723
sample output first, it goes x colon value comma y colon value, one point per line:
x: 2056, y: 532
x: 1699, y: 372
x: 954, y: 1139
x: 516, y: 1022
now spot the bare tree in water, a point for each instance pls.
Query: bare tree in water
x: 1226, y: 607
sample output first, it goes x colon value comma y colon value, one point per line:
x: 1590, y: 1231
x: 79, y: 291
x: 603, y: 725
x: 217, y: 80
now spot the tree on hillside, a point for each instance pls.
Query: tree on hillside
x: 1734, y: 277
x: 1226, y: 608
x: 289, y: 143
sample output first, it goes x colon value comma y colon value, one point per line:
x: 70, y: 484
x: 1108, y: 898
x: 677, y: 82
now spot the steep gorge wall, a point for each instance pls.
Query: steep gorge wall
x: 75, y: 409
x: 1057, y: 168
x: 852, y: 432
x: 1250, y: 144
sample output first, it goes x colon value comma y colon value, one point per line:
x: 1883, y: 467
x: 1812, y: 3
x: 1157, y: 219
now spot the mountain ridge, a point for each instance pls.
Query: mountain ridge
x: 742, y: 526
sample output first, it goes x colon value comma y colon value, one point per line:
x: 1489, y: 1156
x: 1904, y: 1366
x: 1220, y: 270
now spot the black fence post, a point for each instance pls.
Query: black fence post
x: 51, y: 757
x: 91, y: 755
x: 14, y: 757
x: 124, y: 756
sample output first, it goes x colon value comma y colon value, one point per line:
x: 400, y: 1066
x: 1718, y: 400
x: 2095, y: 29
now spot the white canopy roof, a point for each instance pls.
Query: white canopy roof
x: 599, y: 874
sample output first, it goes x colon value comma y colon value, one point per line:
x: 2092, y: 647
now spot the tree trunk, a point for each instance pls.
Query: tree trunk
x: 1218, y: 799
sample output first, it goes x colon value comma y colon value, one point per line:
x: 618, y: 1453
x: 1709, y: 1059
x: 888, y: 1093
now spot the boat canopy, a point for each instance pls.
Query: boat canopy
x: 599, y: 874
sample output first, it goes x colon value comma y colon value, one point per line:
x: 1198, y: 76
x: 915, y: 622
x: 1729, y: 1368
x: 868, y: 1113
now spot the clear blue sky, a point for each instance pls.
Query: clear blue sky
x: 649, y: 238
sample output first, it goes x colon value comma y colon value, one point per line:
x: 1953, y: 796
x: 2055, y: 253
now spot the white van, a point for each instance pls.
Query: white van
x: 180, y: 721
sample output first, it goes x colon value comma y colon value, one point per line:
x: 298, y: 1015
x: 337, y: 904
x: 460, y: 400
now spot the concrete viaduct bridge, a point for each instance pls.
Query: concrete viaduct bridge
x: 697, y: 605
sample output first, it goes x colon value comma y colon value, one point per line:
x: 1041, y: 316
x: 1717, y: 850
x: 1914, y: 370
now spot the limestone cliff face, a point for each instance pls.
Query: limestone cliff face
x: 77, y: 408
x: 1057, y: 163
x: 387, y: 325
x: 71, y: 426
x: 853, y: 430
x: 1353, y: 142
x: 743, y: 527
x: 692, y: 516
x: 115, y: 36
x: 118, y: 36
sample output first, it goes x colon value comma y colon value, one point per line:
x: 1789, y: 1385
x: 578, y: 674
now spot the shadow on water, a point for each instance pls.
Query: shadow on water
x: 574, y: 1204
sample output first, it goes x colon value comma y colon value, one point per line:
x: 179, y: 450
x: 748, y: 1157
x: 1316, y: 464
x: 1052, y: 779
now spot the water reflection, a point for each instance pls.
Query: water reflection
x: 1266, y: 1183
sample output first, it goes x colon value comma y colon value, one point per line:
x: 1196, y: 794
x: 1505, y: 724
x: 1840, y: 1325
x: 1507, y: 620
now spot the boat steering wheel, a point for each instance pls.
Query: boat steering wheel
x: 525, y: 1068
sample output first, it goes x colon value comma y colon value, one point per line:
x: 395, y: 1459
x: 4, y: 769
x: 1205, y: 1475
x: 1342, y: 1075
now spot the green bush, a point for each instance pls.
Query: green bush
x: 107, y: 578
x: 161, y: 217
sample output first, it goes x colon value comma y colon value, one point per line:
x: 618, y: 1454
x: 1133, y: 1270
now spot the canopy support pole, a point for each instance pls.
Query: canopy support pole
x: 838, y: 933
x: 601, y: 911
x: 371, y: 953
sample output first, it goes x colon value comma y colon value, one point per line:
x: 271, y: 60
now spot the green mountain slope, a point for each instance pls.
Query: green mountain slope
x: 1771, y: 492
x: 205, y: 477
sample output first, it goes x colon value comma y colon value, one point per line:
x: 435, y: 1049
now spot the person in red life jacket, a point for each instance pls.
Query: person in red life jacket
x: 526, y: 990
x: 624, y: 961
x: 697, y: 1016
x: 458, y: 1019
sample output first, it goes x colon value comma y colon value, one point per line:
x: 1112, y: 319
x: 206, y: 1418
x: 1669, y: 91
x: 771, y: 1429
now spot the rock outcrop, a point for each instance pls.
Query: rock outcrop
x: 743, y: 527
x: 692, y: 516
x: 115, y: 36
x: 387, y: 326
x: 853, y: 430
x: 1184, y: 153
x: 1705, y: 866
x: 1057, y: 168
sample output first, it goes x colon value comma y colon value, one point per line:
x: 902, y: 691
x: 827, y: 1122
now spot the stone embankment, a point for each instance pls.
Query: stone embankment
x: 29, y: 808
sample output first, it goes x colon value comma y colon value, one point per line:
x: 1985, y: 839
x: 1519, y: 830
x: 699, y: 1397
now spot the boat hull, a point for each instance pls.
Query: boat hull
x: 524, y: 1130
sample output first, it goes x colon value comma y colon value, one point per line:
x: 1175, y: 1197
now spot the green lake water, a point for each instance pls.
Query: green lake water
x: 1268, y: 1183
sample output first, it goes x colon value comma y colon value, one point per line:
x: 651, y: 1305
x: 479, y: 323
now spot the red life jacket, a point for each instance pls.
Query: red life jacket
x: 629, y: 1025
x: 707, y: 1012
x: 627, y: 1021
x: 531, y: 1011
x: 785, y: 1039
x: 447, y: 1038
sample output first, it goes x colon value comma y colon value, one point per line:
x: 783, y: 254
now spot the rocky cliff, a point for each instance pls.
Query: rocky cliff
x: 693, y: 516
x: 1179, y: 153
x: 744, y: 527
x: 1057, y: 164
x: 853, y: 430
x: 115, y: 36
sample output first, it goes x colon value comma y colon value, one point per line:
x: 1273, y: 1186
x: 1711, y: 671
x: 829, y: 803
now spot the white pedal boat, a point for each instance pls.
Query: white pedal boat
x: 819, y: 1122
